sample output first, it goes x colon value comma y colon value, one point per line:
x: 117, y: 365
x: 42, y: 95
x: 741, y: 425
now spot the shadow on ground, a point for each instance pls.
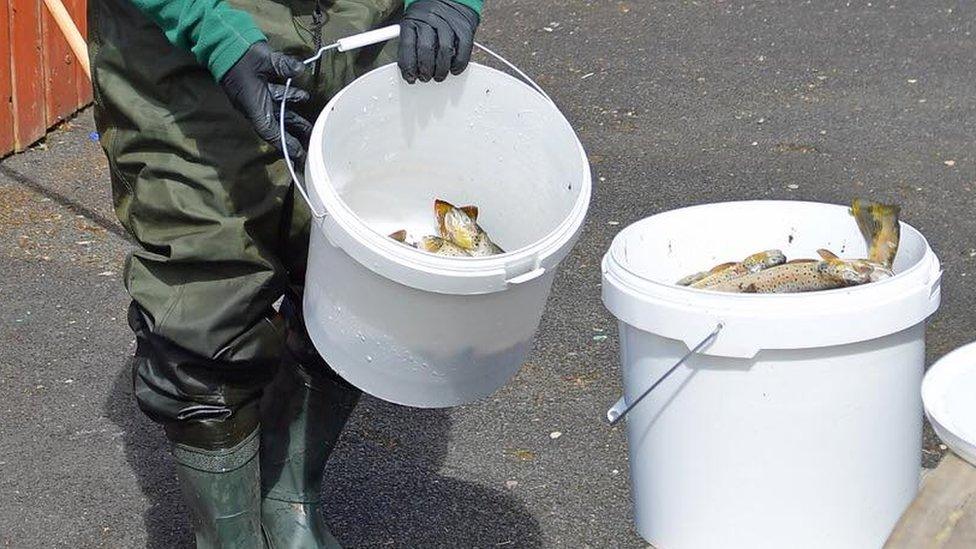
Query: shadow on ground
x: 383, y: 485
x: 389, y: 490
x: 147, y: 453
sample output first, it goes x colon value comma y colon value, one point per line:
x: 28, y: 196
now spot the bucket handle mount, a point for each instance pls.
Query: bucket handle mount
x: 621, y: 408
x: 361, y: 40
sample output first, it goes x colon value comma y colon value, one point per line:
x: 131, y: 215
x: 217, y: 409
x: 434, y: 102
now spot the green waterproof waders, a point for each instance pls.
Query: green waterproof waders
x: 221, y: 238
x: 221, y: 492
x: 221, y: 233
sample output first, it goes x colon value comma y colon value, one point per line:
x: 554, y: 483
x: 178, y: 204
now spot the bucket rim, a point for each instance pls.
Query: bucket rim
x: 612, y: 253
x: 467, y: 271
x: 755, y: 322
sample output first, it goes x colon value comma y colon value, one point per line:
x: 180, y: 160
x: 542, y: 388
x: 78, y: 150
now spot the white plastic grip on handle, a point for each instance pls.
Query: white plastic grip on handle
x: 368, y: 38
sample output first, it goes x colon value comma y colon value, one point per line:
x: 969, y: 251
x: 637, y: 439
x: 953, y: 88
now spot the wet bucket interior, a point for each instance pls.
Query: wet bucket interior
x: 422, y: 329
x: 481, y: 141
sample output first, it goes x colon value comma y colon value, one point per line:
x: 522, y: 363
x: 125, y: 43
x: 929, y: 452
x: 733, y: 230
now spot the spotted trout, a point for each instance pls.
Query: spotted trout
x: 804, y: 275
x: 807, y: 275
x: 459, y: 226
x: 729, y: 271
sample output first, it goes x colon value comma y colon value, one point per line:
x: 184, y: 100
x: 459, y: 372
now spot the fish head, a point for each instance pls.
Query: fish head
x: 460, y: 229
x: 852, y: 272
x: 764, y: 260
x: 879, y: 271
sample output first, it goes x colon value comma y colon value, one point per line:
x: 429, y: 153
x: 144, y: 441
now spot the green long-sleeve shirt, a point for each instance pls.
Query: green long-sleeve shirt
x: 216, y: 34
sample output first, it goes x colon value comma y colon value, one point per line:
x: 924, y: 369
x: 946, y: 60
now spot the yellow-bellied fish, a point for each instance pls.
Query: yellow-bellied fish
x: 459, y: 225
x: 441, y: 246
x: 432, y: 244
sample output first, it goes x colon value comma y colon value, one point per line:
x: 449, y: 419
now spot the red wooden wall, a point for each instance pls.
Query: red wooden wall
x: 41, y: 83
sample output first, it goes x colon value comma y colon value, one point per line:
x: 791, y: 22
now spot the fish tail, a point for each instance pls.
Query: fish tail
x: 880, y: 227
x: 470, y: 211
x: 692, y: 278
x: 399, y: 236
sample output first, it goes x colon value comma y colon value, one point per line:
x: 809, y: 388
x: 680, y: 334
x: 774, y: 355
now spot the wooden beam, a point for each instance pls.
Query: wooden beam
x: 943, y: 516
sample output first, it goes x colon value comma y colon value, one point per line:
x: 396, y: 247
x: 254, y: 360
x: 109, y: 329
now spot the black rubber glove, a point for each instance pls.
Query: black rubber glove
x: 255, y: 86
x: 436, y: 37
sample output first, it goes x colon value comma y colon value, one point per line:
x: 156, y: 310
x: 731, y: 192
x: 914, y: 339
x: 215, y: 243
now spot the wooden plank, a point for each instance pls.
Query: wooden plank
x: 61, y: 92
x: 6, y: 86
x: 28, y: 74
x: 79, y: 13
x: 943, y: 516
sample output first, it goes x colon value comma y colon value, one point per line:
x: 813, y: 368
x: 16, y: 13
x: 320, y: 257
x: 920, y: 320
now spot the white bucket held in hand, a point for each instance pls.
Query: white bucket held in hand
x: 800, y: 423
x: 411, y: 327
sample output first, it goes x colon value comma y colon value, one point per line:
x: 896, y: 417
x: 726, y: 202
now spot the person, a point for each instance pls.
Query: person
x: 186, y: 96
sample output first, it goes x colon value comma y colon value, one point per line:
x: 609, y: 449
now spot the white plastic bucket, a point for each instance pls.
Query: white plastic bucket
x: 949, y: 396
x: 411, y: 327
x: 800, y: 425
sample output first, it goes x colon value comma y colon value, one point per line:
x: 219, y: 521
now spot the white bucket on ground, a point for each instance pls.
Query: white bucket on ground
x: 949, y: 396
x: 801, y: 424
x: 411, y: 327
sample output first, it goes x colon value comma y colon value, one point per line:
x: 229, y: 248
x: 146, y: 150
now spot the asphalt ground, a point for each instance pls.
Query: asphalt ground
x: 677, y: 103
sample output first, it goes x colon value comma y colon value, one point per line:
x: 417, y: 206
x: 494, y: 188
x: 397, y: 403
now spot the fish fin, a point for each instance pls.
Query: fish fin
x: 441, y: 208
x: 827, y: 254
x: 470, y: 211
x: 721, y: 267
x: 880, y: 227
x: 804, y: 260
x: 431, y: 243
x: 399, y: 236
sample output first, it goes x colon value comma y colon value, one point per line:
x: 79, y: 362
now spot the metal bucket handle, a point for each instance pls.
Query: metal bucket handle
x: 357, y: 41
x: 621, y: 408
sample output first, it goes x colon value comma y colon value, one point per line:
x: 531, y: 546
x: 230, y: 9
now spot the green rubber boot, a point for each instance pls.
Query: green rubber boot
x: 221, y: 489
x: 302, y: 416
